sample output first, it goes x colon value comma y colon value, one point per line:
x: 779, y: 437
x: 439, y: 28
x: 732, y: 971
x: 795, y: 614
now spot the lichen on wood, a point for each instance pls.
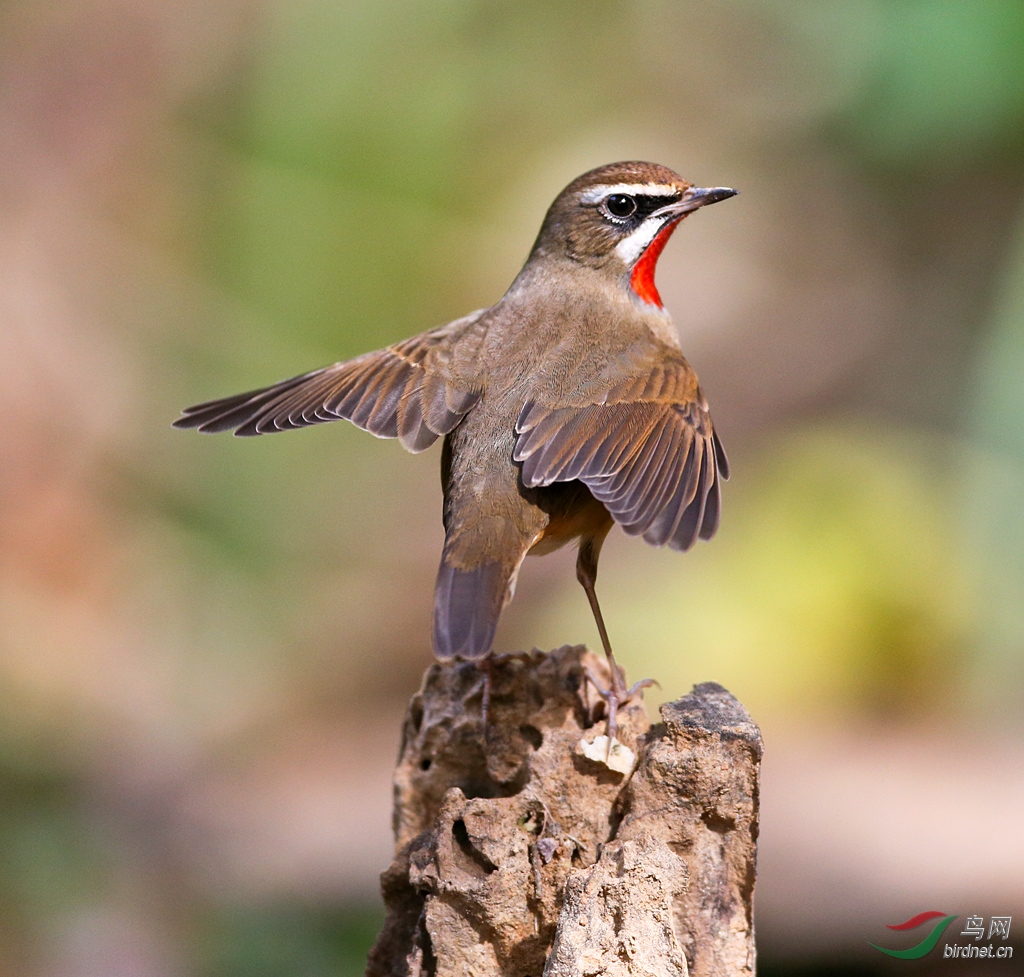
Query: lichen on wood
x: 521, y: 852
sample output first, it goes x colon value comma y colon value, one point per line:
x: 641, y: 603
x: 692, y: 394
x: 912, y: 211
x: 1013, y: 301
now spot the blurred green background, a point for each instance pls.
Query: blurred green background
x: 206, y: 644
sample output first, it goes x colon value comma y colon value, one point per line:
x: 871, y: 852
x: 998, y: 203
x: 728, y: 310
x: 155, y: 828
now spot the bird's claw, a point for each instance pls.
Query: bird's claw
x: 617, y: 696
x: 644, y: 683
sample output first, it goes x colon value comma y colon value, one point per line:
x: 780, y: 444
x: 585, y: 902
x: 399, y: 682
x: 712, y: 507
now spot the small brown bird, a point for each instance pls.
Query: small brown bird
x: 565, y: 408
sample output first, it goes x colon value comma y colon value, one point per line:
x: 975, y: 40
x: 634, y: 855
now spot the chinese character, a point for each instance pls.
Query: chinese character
x: 999, y: 926
x: 975, y: 926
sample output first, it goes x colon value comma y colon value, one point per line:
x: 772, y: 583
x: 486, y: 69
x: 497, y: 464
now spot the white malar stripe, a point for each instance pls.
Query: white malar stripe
x: 597, y: 194
x: 630, y: 248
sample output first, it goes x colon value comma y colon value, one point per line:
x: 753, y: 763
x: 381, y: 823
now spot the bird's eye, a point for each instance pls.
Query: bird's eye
x: 620, y: 206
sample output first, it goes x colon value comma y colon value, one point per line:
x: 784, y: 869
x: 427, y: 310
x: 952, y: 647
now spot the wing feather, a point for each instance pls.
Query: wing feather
x: 405, y: 392
x: 685, y: 533
x: 640, y: 507
x: 648, y: 452
x: 666, y: 522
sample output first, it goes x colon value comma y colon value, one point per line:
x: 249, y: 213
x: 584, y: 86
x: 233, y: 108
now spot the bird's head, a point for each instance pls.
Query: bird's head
x: 618, y: 218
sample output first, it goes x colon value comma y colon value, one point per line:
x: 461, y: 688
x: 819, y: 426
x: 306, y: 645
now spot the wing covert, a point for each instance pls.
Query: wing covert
x: 648, y: 452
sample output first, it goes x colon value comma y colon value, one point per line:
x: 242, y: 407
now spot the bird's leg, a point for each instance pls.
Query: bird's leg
x: 617, y: 695
x: 485, y: 692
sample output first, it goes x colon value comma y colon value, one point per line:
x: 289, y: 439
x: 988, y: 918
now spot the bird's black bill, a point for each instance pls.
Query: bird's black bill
x: 698, y: 197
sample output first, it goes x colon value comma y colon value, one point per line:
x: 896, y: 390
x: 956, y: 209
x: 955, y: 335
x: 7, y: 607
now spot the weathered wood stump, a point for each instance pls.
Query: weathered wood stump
x: 534, y: 853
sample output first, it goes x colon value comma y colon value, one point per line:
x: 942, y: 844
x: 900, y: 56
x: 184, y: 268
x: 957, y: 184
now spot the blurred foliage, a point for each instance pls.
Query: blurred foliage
x: 51, y: 858
x: 995, y: 488
x: 288, y: 941
x: 945, y: 87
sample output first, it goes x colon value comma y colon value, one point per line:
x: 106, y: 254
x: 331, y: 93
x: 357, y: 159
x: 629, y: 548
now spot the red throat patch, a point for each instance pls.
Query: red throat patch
x: 641, y: 279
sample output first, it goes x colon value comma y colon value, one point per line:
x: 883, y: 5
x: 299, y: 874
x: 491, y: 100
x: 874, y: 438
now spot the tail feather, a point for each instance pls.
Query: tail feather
x: 467, y: 605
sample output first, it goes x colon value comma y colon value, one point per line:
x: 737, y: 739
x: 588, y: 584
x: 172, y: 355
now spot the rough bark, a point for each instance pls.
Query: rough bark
x: 535, y: 853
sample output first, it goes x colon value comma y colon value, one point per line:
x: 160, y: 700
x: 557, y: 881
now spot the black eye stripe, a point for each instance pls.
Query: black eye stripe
x: 644, y: 206
x: 647, y: 205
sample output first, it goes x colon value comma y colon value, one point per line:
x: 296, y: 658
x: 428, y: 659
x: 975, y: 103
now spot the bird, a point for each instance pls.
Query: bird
x: 567, y: 407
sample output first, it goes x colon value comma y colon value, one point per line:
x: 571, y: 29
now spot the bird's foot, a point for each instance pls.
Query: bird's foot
x: 617, y: 696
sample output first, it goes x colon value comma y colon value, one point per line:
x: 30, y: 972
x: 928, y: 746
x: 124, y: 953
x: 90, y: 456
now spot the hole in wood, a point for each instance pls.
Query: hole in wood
x: 477, y: 858
x: 532, y: 735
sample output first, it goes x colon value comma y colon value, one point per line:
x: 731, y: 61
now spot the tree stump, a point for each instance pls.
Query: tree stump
x: 528, y: 850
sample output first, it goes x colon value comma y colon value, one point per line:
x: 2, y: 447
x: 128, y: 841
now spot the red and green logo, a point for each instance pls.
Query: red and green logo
x: 928, y: 943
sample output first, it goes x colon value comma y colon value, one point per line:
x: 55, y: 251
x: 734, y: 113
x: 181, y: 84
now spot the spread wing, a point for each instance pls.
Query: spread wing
x: 647, y: 451
x: 408, y: 391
